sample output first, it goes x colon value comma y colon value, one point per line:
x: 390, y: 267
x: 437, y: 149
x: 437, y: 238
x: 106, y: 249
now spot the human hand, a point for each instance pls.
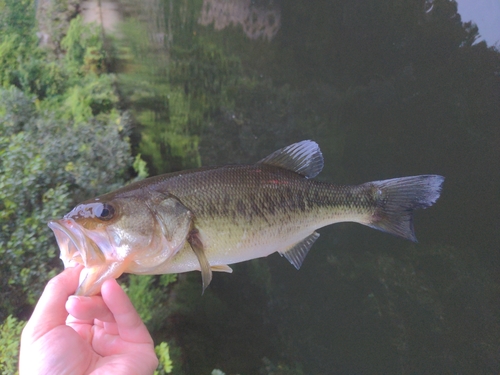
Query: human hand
x: 101, y: 335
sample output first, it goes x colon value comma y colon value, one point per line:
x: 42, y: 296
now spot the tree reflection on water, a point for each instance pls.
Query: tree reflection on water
x: 256, y: 21
x: 388, y: 89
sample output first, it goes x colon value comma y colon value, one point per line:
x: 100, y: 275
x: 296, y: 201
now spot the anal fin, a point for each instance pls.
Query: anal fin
x: 197, y: 246
x: 297, y: 253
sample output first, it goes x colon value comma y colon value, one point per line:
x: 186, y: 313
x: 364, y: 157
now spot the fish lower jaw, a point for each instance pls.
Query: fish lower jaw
x: 83, y: 276
x: 73, y: 262
x: 91, y: 280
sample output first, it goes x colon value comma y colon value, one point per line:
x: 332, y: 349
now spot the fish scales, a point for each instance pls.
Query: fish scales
x: 257, y: 199
x: 208, y: 218
x: 249, y: 192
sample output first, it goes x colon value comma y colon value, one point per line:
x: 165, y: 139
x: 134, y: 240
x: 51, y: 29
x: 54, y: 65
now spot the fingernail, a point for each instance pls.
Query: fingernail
x: 73, y: 298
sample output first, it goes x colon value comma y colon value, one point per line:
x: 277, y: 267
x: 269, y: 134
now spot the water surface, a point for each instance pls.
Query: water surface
x: 387, y: 89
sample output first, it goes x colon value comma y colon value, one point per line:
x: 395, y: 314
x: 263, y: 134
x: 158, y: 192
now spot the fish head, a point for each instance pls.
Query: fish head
x: 106, y: 235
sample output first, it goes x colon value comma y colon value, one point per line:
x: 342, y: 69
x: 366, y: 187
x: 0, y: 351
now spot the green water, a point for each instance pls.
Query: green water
x: 387, y: 89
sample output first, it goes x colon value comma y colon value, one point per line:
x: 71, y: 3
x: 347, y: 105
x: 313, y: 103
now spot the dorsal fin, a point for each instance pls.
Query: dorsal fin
x: 303, y: 157
x: 297, y: 253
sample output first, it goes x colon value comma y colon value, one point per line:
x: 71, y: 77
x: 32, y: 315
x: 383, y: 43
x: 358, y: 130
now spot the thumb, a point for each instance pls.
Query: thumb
x: 50, y: 310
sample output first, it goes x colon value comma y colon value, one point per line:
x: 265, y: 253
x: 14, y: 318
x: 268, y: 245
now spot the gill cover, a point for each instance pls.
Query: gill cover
x: 177, y: 226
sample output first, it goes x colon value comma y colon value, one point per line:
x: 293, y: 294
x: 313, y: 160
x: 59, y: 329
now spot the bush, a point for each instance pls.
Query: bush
x: 165, y: 365
x: 10, y: 333
x: 47, y: 164
x: 62, y: 139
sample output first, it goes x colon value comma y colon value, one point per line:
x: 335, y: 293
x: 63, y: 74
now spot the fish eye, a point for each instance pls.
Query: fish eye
x: 104, y: 211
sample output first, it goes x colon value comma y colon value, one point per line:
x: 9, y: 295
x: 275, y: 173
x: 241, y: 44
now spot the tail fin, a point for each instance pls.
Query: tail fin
x: 397, y: 198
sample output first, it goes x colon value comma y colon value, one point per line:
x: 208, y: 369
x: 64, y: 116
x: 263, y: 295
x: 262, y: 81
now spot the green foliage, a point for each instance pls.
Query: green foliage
x: 140, y: 294
x: 23, y: 65
x: 91, y: 97
x: 165, y: 365
x: 17, y: 17
x: 10, y: 334
x: 46, y: 166
x: 35, y: 70
x: 62, y: 139
x: 149, y: 296
x: 140, y: 167
x: 83, y: 46
x: 53, y: 18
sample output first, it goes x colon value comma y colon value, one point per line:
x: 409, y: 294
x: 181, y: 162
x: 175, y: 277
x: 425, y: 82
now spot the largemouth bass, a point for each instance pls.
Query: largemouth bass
x: 208, y: 218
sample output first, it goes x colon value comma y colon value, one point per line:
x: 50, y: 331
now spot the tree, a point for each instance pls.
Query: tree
x: 63, y: 138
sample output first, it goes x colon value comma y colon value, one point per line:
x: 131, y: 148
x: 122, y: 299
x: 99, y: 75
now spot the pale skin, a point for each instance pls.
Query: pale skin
x: 85, y: 335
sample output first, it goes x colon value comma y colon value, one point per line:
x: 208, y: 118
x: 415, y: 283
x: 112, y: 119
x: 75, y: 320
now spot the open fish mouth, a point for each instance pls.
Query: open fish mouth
x: 78, y: 248
x: 75, y: 246
x: 70, y: 245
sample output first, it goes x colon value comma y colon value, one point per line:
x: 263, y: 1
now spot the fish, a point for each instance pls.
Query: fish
x: 208, y: 218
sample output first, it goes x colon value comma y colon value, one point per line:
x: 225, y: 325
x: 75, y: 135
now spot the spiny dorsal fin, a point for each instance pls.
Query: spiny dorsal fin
x: 303, y: 157
x: 297, y: 253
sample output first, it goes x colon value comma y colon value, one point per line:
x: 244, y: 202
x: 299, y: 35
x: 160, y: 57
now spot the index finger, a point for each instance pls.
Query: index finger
x: 129, y: 323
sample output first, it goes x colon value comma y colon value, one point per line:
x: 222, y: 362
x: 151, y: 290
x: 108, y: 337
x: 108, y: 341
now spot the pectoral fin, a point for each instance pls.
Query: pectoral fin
x: 297, y: 253
x: 197, y: 246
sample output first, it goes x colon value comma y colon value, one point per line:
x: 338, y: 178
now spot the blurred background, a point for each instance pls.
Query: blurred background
x: 96, y: 94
